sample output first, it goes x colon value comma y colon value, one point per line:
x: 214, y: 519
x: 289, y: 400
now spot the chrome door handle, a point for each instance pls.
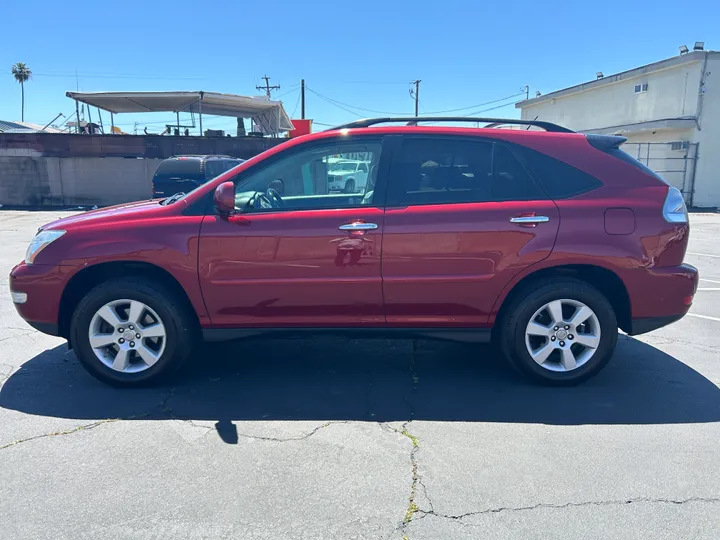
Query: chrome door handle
x: 529, y: 219
x: 359, y: 226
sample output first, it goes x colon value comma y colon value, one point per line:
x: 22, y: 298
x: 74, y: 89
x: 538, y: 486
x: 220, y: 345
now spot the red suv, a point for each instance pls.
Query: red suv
x: 543, y: 241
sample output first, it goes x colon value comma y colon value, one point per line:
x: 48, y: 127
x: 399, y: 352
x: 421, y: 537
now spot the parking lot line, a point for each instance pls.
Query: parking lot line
x: 709, y: 289
x: 704, y: 317
x: 703, y: 255
x: 710, y: 280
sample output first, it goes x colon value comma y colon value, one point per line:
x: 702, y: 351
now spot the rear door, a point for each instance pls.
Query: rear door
x: 463, y: 217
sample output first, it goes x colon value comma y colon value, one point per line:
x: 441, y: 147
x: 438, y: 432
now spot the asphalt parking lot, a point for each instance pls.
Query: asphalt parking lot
x: 337, y: 438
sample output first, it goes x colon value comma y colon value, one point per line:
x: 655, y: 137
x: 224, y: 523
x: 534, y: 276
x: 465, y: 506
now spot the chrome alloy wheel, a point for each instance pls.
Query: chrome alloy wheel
x: 562, y: 335
x: 127, y: 336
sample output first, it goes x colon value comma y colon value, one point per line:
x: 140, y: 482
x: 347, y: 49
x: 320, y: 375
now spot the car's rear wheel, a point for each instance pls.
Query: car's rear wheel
x: 131, y: 332
x: 559, y: 333
x: 350, y: 186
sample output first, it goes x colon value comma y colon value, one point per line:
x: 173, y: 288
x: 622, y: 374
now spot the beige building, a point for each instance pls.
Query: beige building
x: 669, y: 111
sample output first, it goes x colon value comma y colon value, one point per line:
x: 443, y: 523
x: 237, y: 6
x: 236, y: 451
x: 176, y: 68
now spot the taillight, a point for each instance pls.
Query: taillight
x: 674, y: 209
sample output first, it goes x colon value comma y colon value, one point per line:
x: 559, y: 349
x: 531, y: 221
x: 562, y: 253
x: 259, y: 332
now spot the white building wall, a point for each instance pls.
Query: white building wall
x: 671, y: 93
x: 707, y: 175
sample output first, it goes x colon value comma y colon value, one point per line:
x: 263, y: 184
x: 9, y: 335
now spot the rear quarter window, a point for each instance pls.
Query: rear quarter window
x: 215, y: 167
x: 558, y: 179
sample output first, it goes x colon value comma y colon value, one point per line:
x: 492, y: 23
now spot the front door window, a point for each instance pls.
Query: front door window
x: 326, y: 176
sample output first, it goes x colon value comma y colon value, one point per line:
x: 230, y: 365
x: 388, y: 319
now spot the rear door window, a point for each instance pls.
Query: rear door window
x: 453, y: 170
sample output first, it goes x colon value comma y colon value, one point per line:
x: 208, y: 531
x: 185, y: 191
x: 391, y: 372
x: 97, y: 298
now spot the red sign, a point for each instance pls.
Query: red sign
x: 302, y: 127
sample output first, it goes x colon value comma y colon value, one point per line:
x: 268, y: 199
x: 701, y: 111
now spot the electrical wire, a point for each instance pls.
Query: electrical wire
x: 478, y: 105
x: 297, y: 103
x: 139, y: 77
x: 343, y: 106
x: 490, y: 109
x: 292, y: 88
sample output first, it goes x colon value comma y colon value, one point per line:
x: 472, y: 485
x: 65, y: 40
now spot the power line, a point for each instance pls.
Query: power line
x: 297, y: 103
x: 490, y: 109
x: 292, y: 88
x: 477, y: 105
x: 98, y: 76
x: 342, y: 105
x: 332, y: 102
x: 369, y: 82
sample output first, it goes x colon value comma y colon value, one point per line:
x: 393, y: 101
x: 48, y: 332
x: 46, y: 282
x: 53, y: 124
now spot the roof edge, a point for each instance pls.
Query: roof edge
x: 667, y: 63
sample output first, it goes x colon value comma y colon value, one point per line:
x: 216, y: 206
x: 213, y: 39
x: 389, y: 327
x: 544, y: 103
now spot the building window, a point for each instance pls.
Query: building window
x: 641, y: 88
x: 679, y: 145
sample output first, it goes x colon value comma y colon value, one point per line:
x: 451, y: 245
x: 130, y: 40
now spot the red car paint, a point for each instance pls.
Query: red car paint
x: 424, y: 266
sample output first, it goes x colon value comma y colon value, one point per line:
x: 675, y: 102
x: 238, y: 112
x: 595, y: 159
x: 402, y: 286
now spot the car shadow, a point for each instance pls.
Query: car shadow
x: 328, y: 378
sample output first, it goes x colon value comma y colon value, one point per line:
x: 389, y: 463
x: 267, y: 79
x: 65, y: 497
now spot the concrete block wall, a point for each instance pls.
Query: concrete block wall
x: 54, y: 169
x: 35, y: 181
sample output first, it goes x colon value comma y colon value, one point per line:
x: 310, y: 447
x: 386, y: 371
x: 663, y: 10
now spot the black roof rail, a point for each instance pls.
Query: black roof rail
x: 413, y: 121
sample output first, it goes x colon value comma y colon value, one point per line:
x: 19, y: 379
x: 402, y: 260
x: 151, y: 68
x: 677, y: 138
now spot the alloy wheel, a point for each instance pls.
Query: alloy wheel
x: 562, y: 335
x: 127, y: 336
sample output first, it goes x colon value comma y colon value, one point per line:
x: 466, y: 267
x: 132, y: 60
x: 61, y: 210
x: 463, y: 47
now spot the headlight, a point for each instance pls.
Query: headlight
x: 41, y: 240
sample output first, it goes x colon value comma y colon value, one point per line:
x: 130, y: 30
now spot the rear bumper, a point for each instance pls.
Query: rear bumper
x: 661, y: 296
x: 648, y: 324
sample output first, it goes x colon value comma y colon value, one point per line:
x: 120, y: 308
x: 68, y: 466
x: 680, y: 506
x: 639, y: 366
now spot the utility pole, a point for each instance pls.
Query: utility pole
x: 416, y: 94
x: 267, y: 86
x: 527, y: 91
x: 302, y: 99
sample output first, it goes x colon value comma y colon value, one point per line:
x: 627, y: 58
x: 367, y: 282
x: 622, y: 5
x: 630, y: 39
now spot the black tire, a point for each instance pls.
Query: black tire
x: 523, y: 306
x: 350, y: 186
x: 180, y: 327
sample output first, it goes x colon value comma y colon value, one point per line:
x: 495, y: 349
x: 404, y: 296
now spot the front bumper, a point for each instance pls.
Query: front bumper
x: 43, y: 286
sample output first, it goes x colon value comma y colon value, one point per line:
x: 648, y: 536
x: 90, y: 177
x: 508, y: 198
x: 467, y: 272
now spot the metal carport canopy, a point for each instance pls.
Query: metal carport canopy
x: 269, y: 115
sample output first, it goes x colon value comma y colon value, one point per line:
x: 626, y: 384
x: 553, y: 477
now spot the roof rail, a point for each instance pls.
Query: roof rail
x: 413, y: 121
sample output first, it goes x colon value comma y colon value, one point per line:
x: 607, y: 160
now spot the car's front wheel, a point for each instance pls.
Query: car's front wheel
x: 131, y: 332
x: 350, y: 186
x: 561, y: 332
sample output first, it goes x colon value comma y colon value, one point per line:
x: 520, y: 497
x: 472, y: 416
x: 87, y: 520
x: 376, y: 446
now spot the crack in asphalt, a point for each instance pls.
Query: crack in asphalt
x: 165, y: 408
x: 412, y: 507
x: 84, y: 427
x: 87, y: 427
x: 6, y: 371
x: 619, y: 502
x: 27, y: 333
x: 297, y: 438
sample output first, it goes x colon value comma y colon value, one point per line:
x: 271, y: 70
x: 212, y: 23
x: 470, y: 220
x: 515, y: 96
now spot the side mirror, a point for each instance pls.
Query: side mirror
x: 224, y: 198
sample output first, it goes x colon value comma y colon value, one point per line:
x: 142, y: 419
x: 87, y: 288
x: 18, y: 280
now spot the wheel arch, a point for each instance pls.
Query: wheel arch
x: 603, y: 279
x: 87, y: 278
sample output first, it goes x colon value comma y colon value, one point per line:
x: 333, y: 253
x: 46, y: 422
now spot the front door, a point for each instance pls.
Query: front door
x: 311, y: 258
x: 463, y: 217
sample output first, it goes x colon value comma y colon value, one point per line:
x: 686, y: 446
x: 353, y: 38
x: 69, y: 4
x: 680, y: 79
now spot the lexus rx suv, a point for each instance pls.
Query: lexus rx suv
x: 543, y: 241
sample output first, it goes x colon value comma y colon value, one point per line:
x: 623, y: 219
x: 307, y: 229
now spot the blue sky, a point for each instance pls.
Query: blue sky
x: 363, y: 54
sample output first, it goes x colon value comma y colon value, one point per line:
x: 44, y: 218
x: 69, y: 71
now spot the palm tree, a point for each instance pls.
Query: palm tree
x: 22, y: 73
